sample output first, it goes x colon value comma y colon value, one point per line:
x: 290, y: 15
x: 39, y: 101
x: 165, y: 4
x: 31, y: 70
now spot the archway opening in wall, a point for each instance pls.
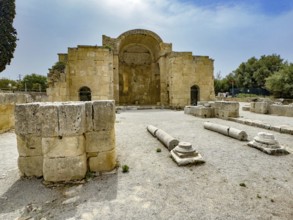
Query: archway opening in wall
x: 194, y: 95
x: 85, y: 94
x: 139, y: 70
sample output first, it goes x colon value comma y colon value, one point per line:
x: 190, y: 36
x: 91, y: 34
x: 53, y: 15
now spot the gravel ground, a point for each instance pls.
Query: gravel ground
x: 236, y: 182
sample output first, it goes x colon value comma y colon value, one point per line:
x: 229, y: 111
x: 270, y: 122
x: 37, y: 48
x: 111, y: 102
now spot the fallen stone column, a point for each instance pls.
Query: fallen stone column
x: 169, y: 141
x: 237, y: 134
x: 152, y: 130
x: 226, y: 130
x: 222, y: 129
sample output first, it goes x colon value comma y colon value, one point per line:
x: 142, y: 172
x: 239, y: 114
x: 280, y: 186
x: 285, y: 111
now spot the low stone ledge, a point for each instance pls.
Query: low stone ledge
x: 286, y: 129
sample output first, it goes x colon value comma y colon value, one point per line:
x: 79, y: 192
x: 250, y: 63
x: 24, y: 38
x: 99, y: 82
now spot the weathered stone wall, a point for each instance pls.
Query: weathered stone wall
x: 137, y: 68
x: 281, y: 110
x: 61, y: 141
x: 7, y: 103
x: 226, y: 109
x: 185, y: 71
x: 219, y: 109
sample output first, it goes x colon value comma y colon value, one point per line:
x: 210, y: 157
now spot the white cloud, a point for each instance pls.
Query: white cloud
x: 229, y: 33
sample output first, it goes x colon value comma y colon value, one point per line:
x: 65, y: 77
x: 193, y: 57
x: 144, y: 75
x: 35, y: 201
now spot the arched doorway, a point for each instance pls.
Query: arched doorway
x: 85, y: 94
x: 194, y: 95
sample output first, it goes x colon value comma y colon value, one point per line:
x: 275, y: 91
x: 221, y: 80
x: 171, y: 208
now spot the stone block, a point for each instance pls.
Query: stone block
x: 64, y: 169
x: 27, y: 119
x: 104, y: 161
x: 31, y: 166
x: 49, y: 118
x: 226, y: 109
x: 71, y: 118
x: 63, y: 146
x: 262, y: 107
x: 103, y: 115
x: 100, y: 141
x: 29, y: 145
x: 88, y: 116
x: 202, y: 111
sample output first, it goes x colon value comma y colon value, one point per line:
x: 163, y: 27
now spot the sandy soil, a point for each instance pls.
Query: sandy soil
x: 236, y: 182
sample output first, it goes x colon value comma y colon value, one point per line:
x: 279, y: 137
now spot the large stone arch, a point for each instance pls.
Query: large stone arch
x: 139, y: 71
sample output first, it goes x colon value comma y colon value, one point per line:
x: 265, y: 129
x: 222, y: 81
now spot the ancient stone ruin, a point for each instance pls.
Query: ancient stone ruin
x: 136, y: 68
x: 7, y: 104
x: 219, y: 109
x: 267, y: 143
x: 226, y: 130
x: 62, y: 141
x: 267, y: 106
x: 182, y: 152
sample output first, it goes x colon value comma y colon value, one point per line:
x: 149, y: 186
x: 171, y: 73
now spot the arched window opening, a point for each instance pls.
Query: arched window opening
x: 85, y: 94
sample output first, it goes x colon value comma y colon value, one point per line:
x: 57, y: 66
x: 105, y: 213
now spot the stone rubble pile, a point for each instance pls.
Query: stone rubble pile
x: 61, y: 141
x: 267, y: 143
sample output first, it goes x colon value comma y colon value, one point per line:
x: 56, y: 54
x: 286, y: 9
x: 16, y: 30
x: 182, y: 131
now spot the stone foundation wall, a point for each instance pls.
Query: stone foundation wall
x: 62, y: 141
x: 226, y: 109
x: 219, y: 109
x: 7, y: 103
x: 281, y: 110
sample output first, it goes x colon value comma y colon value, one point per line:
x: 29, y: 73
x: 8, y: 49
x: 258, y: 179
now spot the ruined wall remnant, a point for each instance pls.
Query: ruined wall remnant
x: 136, y: 68
x: 219, y: 109
x: 61, y: 141
x: 7, y: 103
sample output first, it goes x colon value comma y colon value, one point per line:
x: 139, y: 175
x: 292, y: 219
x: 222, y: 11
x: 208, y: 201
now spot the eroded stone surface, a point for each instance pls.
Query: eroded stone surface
x: 64, y: 169
x: 65, y: 134
x: 184, y: 154
x: 267, y: 143
x: 104, y: 161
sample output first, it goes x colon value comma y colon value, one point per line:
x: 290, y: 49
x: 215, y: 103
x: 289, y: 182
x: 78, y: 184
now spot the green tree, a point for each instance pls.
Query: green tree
x: 281, y: 83
x: 8, y: 34
x: 34, y: 82
x: 7, y: 84
x: 253, y: 72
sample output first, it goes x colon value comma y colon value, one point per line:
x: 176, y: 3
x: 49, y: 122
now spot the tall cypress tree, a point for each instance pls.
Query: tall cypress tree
x: 7, y: 32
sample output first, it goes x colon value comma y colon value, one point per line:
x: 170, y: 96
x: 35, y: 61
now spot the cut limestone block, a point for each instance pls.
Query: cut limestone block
x: 169, y: 141
x: 88, y: 116
x: 267, y: 143
x: 49, y: 118
x: 27, y: 120
x: 71, y: 118
x: 226, y: 109
x: 202, y: 111
x: 63, y: 146
x: 29, y: 145
x: 104, y: 161
x: 100, y: 141
x: 184, y: 154
x: 226, y: 130
x: 103, y: 115
x: 31, y: 166
x: 64, y: 169
x: 152, y: 130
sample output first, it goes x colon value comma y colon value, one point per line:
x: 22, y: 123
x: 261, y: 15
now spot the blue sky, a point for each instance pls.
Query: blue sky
x: 229, y: 31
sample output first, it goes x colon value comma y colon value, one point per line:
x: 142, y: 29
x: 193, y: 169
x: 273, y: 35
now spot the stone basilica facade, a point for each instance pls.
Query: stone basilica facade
x: 136, y: 68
